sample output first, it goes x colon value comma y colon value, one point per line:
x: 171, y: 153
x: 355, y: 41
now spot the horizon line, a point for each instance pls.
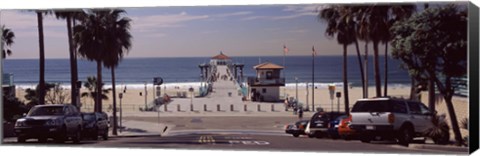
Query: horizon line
x: 143, y: 57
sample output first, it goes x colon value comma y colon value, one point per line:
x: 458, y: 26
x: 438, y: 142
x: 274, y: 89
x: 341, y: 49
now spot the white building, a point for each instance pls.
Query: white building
x: 266, y: 85
x: 220, y: 59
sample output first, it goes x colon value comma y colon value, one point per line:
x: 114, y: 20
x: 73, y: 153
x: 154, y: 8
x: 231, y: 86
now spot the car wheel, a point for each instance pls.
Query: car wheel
x: 105, y: 135
x: 318, y: 135
x: 366, y: 138
x: 335, y: 137
x: 406, y: 135
x: 295, y: 135
x: 311, y: 135
x: 21, y: 139
x: 42, y: 140
x: 62, y: 136
x: 94, y: 134
x: 78, y: 136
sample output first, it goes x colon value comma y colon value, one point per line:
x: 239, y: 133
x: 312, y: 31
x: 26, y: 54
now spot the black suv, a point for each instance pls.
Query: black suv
x: 318, y: 125
x: 57, y: 121
x: 95, y: 124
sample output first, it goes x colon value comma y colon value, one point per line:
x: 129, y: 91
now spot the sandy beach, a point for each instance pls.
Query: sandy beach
x: 132, y: 98
x: 132, y: 101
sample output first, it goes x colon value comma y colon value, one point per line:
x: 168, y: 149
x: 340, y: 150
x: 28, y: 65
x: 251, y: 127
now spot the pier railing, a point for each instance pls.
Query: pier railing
x: 7, y: 79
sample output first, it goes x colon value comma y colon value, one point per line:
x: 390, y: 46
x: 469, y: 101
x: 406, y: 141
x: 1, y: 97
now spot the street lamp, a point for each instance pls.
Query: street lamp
x: 145, y: 95
x: 120, y: 96
x: 296, y: 89
x: 191, y: 98
x: 77, y: 92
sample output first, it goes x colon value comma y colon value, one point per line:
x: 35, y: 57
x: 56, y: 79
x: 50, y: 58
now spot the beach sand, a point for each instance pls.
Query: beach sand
x: 322, y: 96
x: 132, y: 100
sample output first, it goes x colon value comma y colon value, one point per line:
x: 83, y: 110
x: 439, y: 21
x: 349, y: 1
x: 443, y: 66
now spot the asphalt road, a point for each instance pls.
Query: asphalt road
x: 239, y: 133
x: 248, y: 142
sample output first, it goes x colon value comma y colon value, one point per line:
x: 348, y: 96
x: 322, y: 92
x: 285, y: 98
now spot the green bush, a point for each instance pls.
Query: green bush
x: 13, y: 108
x: 439, y: 131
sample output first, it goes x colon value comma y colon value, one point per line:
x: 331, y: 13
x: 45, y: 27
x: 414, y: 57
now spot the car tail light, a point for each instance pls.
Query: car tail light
x: 350, y: 118
x: 391, y: 118
x: 300, y: 127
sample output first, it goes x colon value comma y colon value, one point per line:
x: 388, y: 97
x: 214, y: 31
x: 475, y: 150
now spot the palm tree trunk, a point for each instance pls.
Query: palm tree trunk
x: 361, y: 68
x: 447, y: 93
x: 376, y: 70
x: 41, y: 85
x: 413, y: 91
x: 385, y: 69
x: 431, y: 92
x: 98, y: 98
x: 75, y: 69
x: 345, y: 82
x: 114, y: 102
x: 366, y: 69
x: 72, y: 71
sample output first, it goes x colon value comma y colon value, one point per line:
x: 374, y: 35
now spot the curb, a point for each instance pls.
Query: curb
x: 134, y: 136
x: 439, y: 147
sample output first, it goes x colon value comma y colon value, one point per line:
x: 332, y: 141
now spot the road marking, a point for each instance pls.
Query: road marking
x: 206, y: 139
x: 238, y: 138
x: 248, y: 142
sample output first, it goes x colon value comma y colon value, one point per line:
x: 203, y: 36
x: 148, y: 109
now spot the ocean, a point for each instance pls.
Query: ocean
x: 136, y: 71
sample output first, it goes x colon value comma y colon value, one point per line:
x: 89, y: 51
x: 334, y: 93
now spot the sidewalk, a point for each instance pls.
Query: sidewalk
x: 431, y: 146
x: 132, y: 128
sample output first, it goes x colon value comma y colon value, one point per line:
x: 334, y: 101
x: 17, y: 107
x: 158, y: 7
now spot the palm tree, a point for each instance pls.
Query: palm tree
x: 7, y: 41
x: 89, y: 38
x: 397, y: 13
x: 341, y: 24
x: 69, y: 16
x: 91, y: 86
x: 377, y: 30
x: 362, y: 34
x: 41, y: 91
x: 118, y: 43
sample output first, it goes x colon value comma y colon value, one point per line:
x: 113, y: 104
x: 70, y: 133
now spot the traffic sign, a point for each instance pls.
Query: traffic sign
x: 157, y: 81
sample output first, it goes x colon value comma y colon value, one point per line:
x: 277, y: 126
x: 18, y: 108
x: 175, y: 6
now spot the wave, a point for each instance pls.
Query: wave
x: 180, y: 85
x: 186, y: 85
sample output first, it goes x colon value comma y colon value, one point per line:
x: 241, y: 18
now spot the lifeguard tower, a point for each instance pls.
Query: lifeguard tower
x: 266, y: 85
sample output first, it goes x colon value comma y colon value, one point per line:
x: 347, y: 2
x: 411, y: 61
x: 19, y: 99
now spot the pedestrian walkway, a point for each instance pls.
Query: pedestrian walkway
x: 132, y: 128
x: 225, y: 97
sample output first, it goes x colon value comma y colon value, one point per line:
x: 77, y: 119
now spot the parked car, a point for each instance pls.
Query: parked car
x: 297, y: 129
x: 95, y: 124
x: 57, y: 121
x: 344, y: 130
x: 318, y: 125
x: 388, y: 118
x: 333, y: 127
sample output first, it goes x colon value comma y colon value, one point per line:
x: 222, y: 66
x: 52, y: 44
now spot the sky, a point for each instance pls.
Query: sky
x: 193, y: 31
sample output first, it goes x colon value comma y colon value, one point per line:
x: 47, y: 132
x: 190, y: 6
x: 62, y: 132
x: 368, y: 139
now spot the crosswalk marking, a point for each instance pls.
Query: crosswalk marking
x: 206, y: 139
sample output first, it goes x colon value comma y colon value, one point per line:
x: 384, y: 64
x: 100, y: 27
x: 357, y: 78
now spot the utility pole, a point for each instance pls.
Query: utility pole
x: 296, y: 89
x: 145, y: 95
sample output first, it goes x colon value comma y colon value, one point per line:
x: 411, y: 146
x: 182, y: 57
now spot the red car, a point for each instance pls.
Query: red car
x: 344, y: 129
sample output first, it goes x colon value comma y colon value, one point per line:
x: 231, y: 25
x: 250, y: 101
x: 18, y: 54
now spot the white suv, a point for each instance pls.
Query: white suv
x: 389, y: 118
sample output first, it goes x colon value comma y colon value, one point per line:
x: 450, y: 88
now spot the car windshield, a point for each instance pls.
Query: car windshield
x: 372, y: 106
x: 89, y: 117
x: 46, y: 110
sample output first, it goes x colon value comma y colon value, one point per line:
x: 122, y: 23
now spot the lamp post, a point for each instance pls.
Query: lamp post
x: 120, y: 96
x: 79, y: 85
x: 145, y: 95
x: 191, y: 98
x: 296, y: 89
